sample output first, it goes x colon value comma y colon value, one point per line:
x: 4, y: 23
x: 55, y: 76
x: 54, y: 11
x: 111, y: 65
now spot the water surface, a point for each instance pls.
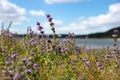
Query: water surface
x: 97, y: 43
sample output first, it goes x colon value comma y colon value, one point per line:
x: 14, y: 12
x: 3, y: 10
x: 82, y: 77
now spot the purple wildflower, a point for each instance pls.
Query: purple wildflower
x: 29, y: 63
x: 32, y: 32
x: 16, y: 77
x: 115, y: 31
x: 7, y: 79
x: 32, y: 53
x: 10, y: 35
x: 71, y: 34
x: 36, y: 66
x: 64, y: 50
x: 8, y: 62
x: 99, y: 65
x: 108, y: 56
x: 66, y: 40
x: 50, y: 19
x: 28, y: 71
x: 114, y: 35
x: 23, y: 60
x: 32, y: 41
x: 86, y: 63
x: 113, y: 53
x: 76, y: 51
x: 39, y: 28
x: 11, y: 73
x: 14, y: 56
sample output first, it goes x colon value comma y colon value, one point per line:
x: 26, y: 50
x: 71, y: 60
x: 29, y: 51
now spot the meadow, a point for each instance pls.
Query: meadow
x: 39, y: 57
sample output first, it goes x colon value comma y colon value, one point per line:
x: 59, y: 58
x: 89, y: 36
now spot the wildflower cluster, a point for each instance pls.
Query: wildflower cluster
x: 39, y: 58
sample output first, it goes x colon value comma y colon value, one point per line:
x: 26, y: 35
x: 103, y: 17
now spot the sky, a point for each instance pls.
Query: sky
x: 75, y: 16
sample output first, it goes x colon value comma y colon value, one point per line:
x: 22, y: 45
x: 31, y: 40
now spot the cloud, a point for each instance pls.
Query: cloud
x: 11, y: 12
x: 37, y: 13
x: 94, y: 24
x: 61, y: 1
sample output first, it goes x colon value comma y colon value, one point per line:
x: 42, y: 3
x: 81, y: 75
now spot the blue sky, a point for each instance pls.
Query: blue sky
x: 78, y: 16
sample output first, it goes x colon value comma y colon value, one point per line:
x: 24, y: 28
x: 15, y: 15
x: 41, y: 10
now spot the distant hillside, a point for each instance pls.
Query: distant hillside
x: 107, y: 34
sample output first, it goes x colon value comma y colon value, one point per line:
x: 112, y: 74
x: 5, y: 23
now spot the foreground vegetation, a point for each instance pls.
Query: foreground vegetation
x: 41, y: 58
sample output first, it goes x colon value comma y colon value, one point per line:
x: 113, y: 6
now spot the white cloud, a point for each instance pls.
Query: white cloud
x: 17, y: 30
x: 11, y: 12
x: 61, y: 1
x: 81, y: 18
x: 58, y: 22
x: 37, y: 13
x: 93, y: 24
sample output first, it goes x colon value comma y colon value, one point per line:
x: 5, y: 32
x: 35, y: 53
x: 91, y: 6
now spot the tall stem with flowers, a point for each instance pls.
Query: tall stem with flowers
x: 40, y: 28
x: 115, y: 35
x: 51, y: 23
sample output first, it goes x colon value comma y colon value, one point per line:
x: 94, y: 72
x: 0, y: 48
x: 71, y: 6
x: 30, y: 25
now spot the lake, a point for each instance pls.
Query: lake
x: 97, y: 43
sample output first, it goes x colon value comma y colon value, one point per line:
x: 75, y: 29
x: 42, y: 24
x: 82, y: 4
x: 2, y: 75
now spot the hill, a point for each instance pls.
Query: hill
x: 107, y: 34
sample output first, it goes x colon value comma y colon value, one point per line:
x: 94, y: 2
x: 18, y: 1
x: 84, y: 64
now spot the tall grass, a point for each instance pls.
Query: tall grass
x: 42, y: 58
